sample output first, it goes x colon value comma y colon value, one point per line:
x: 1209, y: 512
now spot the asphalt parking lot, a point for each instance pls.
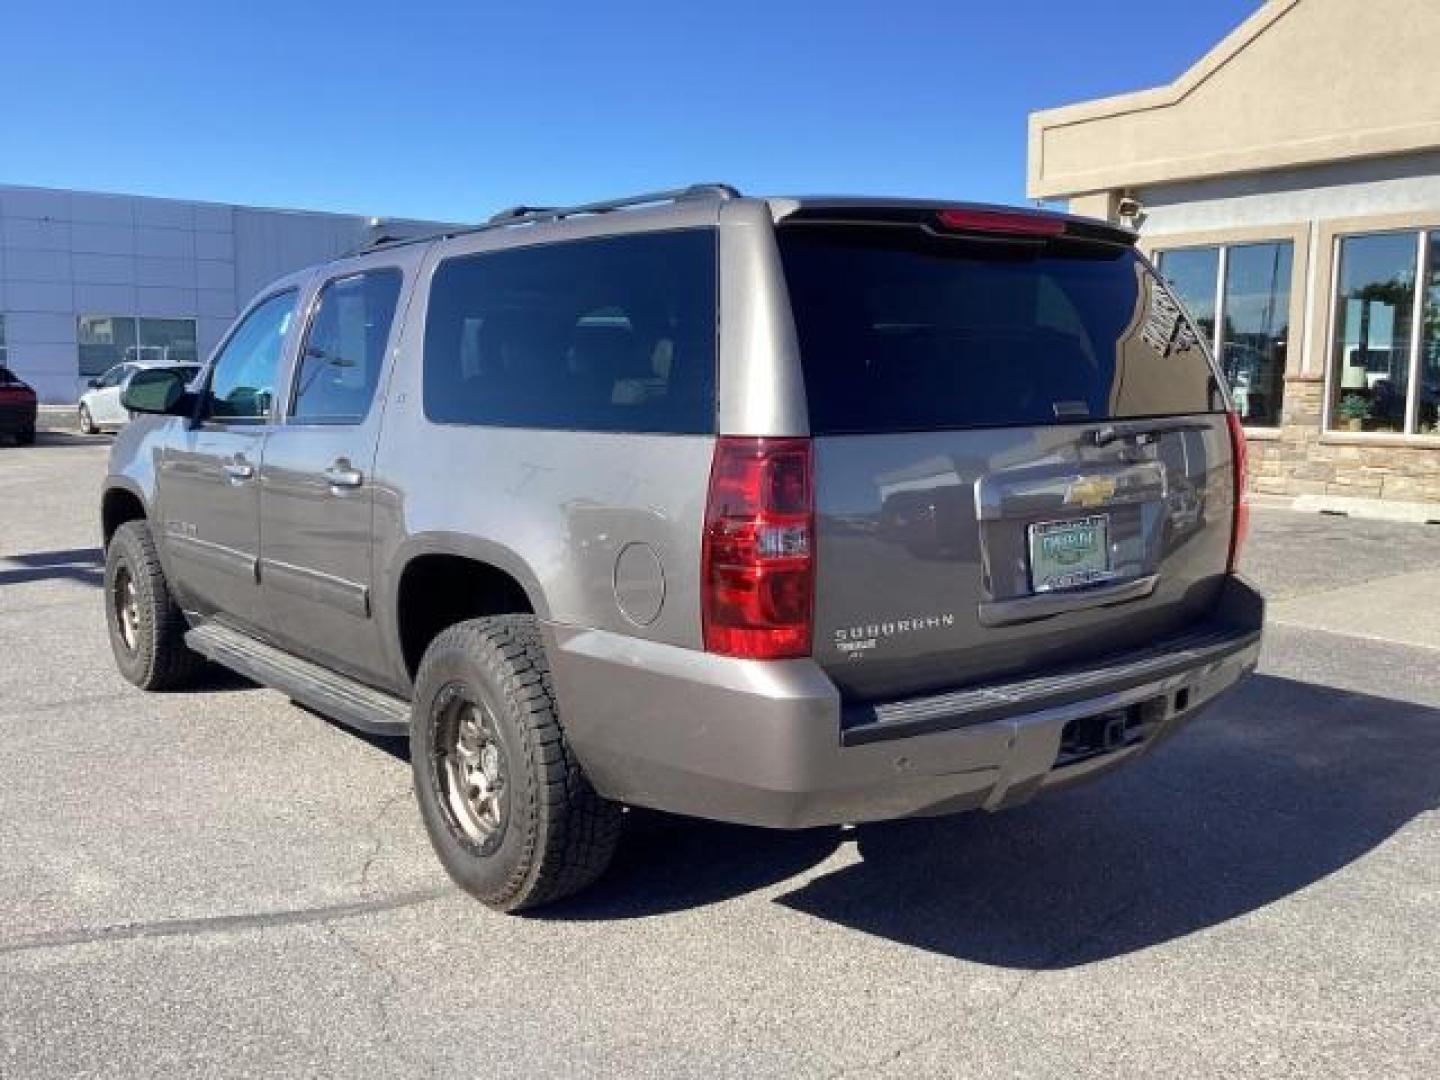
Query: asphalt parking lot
x: 221, y: 883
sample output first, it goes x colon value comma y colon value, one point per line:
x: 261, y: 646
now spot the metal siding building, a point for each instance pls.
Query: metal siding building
x: 76, y: 265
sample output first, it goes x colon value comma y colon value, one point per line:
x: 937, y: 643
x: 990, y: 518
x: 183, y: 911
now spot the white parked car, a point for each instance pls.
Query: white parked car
x: 100, y: 406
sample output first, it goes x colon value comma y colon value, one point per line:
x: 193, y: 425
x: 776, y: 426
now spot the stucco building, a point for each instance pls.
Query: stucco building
x: 1289, y: 186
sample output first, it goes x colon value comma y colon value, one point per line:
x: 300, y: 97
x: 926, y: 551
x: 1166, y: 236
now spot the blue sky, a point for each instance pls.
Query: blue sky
x: 452, y: 110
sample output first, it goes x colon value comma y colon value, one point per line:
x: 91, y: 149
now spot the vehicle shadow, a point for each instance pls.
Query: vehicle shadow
x: 668, y: 863
x: 1283, y: 786
x: 84, y: 565
x: 52, y: 438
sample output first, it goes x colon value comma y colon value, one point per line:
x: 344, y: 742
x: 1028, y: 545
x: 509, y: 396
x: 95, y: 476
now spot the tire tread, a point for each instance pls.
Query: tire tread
x: 168, y: 663
x: 572, y: 832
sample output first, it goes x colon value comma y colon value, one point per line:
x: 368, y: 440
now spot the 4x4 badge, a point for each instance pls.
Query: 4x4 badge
x: 1090, y: 491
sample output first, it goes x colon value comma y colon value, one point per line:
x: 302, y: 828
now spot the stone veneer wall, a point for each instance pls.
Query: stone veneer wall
x: 1298, y: 463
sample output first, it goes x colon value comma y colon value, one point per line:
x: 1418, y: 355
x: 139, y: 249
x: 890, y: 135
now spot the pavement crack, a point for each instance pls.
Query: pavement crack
x: 377, y: 839
x: 219, y: 924
x: 1050, y: 963
x: 383, y: 1019
x: 1071, y: 948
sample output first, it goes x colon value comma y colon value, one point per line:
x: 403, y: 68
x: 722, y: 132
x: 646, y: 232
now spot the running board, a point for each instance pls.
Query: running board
x: 336, y: 696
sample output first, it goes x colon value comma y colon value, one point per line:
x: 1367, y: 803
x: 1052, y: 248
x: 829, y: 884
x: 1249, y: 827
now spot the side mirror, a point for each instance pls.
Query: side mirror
x: 156, y: 390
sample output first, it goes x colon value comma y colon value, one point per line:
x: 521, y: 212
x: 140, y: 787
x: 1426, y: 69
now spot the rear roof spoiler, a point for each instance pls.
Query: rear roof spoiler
x: 926, y: 212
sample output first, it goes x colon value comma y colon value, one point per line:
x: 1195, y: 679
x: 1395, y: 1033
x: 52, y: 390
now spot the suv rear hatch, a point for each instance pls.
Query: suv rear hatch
x: 1022, y: 461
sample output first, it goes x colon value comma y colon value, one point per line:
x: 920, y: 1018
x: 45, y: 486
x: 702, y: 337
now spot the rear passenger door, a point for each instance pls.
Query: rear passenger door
x: 316, y: 489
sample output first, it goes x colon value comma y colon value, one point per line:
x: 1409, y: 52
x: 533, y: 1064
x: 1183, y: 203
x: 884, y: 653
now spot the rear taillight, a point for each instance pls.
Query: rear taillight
x: 12, y: 395
x: 1240, y: 457
x: 758, y: 556
x: 1001, y: 221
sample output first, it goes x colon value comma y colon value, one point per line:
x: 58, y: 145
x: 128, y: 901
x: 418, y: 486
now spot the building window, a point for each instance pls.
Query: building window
x: 1385, y: 361
x: 1194, y: 274
x: 1239, y: 296
x: 107, y: 340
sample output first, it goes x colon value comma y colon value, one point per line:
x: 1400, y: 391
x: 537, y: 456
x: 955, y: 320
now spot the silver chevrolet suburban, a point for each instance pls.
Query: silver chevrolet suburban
x: 783, y: 511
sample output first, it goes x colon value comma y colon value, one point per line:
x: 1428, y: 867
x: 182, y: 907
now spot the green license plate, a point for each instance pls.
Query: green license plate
x: 1069, y: 554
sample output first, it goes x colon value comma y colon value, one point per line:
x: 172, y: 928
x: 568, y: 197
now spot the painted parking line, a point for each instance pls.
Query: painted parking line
x: 1403, y: 609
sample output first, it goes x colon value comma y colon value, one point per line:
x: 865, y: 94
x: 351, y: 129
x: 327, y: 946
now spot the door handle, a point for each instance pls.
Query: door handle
x: 239, y: 470
x: 344, y: 476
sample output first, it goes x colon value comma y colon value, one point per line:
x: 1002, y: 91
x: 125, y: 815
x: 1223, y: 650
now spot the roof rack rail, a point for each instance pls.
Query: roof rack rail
x: 523, y: 215
x: 530, y: 215
x: 509, y: 214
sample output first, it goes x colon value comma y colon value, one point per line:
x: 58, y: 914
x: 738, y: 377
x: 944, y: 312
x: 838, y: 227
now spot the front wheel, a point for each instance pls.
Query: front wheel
x: 508, y: 809
x: 147, y: 628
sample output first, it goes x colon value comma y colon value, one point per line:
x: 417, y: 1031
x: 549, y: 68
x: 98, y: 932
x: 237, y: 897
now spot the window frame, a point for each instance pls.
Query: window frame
x: 134, y: 321
x: 208, y: 377
x: 1410, y: 435
x: 1323, y: 314
x: 312, y: 309
x: 100, y: 382
x: 1297, y: 348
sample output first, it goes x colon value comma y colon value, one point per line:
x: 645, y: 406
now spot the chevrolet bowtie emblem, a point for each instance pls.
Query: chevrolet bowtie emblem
x: 1090, y: 491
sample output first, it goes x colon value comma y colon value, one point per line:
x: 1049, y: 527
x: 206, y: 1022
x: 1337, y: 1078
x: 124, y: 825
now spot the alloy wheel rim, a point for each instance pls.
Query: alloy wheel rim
x: 472, y: 770
x: 127, y: 608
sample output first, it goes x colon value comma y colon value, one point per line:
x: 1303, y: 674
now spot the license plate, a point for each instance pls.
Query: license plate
x: 1069, y: 554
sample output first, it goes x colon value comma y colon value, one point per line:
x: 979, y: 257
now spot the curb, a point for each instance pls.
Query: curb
x: 57, y: 418
x: 1407, y: 513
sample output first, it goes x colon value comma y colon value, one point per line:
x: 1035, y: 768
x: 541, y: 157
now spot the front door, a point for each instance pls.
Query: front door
x: 316, y: 487
x: 209, y: 495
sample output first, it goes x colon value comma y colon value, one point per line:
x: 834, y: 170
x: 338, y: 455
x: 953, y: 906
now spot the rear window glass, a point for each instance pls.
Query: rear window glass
x: 901, y: 330
x: 615, y: 334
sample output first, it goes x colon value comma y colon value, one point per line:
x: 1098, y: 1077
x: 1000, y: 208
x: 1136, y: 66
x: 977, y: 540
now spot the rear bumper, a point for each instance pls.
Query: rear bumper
x: 17, y: 418
x: 768, y: 743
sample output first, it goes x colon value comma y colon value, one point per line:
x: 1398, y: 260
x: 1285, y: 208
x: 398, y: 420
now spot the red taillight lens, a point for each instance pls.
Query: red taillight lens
x: 1001, y: 221
x: 1240, y: 456
x: 14, y: 395
x: 759, y: 554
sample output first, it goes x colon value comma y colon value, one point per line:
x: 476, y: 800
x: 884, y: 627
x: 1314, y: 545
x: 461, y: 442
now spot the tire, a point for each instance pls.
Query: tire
x: 149, y: 641
x: 87, y: 424
x: 537, y: 831
x: 26, y: 437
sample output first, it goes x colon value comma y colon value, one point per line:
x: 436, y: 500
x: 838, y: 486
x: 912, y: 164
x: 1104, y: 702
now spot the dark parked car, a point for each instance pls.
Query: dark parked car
x: 17, y: 408
x: 782, y: 511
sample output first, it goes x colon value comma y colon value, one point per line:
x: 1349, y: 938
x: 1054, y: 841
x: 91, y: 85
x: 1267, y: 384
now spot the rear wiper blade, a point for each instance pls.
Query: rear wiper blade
x: 1143, y: 430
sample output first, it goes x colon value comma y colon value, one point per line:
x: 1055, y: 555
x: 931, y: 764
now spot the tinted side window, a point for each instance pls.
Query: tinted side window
x: 616, y: 334
x: 903, y: 331
x: 243, y: 382
x: 345, y: 347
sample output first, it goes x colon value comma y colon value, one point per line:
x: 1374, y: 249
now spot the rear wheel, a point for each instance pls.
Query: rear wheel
x: 26, y: 437
x: 87, y: 423
x: 508, y: 809
x: 147, y: 628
